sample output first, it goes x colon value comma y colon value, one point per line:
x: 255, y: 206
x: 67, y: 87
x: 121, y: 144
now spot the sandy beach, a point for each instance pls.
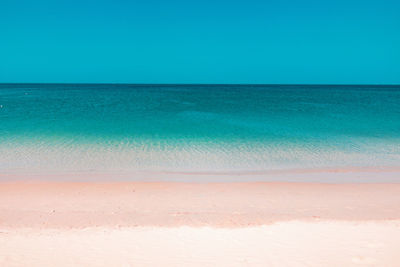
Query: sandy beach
x: 192, y: 224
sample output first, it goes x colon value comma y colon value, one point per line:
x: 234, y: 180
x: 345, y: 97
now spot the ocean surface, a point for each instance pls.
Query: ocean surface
x: 227, y: 128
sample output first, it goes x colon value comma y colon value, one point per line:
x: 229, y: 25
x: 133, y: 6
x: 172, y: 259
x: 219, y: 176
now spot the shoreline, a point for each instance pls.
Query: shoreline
x: 334, y: 175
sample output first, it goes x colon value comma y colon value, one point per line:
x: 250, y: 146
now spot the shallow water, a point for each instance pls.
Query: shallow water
x: 197, y: 127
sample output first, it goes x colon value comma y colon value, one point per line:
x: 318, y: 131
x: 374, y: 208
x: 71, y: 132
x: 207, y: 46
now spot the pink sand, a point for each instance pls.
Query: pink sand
x: 191, y: 224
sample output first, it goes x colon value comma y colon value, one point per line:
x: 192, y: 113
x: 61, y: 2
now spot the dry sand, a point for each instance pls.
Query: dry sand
x: 190, y: 224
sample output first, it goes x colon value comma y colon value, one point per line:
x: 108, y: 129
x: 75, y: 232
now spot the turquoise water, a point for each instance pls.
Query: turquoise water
x: 200, y: 127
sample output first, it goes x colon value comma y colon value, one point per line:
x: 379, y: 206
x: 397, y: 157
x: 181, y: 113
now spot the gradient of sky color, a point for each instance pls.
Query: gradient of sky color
x: 154, y: 41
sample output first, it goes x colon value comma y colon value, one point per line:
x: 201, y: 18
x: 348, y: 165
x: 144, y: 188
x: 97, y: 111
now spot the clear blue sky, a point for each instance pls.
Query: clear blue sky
x: 161, y: 41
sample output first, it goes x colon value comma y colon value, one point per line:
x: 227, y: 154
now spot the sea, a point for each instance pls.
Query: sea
x: 197, y: 128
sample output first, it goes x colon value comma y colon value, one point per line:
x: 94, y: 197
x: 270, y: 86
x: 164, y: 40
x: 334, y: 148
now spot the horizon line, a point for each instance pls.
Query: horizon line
x: 222, y: 84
